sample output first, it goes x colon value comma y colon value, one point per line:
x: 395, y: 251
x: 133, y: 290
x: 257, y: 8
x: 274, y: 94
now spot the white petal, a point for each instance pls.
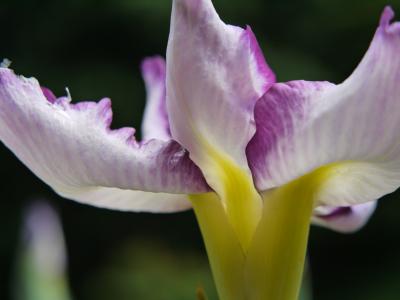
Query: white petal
x: 128, y: 200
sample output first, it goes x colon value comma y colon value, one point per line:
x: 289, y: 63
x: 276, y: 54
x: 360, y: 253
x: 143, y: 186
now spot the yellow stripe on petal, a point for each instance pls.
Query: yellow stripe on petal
x: 234, y: 185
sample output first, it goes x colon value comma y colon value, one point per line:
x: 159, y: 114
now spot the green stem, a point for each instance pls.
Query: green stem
x: 275, y: 260
x: 271, y: 268
x: 223, y: 248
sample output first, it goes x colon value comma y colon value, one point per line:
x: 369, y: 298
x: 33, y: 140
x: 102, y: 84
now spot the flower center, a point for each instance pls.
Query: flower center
x: 235, y: 188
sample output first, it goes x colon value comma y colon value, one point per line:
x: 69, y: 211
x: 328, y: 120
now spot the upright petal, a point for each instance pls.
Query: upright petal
x: 72, y: 148
x: 350, y: 130
x: 155, y: 123
x: 215, y: 74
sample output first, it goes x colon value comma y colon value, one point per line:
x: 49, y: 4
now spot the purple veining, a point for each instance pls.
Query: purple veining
x: 262, y: 65
x: 275, y: 114
x: 167, y: 159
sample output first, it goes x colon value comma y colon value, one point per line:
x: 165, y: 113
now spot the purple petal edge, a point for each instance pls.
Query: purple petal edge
x: 336, y: 212
x: 344, y: 219
x: 48, y: 94
x: 386, y: 24
x: 262, y: 65
x: 386, y: 17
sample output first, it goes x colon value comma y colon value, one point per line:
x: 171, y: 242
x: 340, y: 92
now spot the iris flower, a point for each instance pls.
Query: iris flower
x: 257, y: 160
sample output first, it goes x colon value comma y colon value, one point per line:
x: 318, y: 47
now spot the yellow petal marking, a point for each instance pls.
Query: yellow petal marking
x: 235, y: 188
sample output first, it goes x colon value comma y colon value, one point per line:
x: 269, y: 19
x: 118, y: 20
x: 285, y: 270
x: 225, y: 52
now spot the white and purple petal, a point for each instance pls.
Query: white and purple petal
x: 345, y: 219
x: 72, y: 148
x: 155, y: 119
x: 353, y: 128
x: 215, y: 75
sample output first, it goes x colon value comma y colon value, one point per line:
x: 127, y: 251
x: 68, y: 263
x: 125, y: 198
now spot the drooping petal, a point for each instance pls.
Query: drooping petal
x: 215, y: 74
x: 352, y: 130
x: 155, y: 120
x: 129, y: 200
x: 344, y: 219
x: 72, y: 148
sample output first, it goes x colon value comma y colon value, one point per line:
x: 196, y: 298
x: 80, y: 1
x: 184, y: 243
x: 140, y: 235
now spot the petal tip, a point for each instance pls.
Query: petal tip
x: 48, y: 94
x: 387, y: 16
x: 104, y: 111
x: 194, y: 11
x: 189, y: 5
x: 153, y: 68
x: 386, y: 21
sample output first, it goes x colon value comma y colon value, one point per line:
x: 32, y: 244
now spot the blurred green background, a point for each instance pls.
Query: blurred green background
x: 94, y: 48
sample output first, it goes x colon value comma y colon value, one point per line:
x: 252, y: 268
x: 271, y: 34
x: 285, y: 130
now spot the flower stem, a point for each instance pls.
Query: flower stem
x: 275, y: 261
x: 223, y: 248
x: 271, y: 268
